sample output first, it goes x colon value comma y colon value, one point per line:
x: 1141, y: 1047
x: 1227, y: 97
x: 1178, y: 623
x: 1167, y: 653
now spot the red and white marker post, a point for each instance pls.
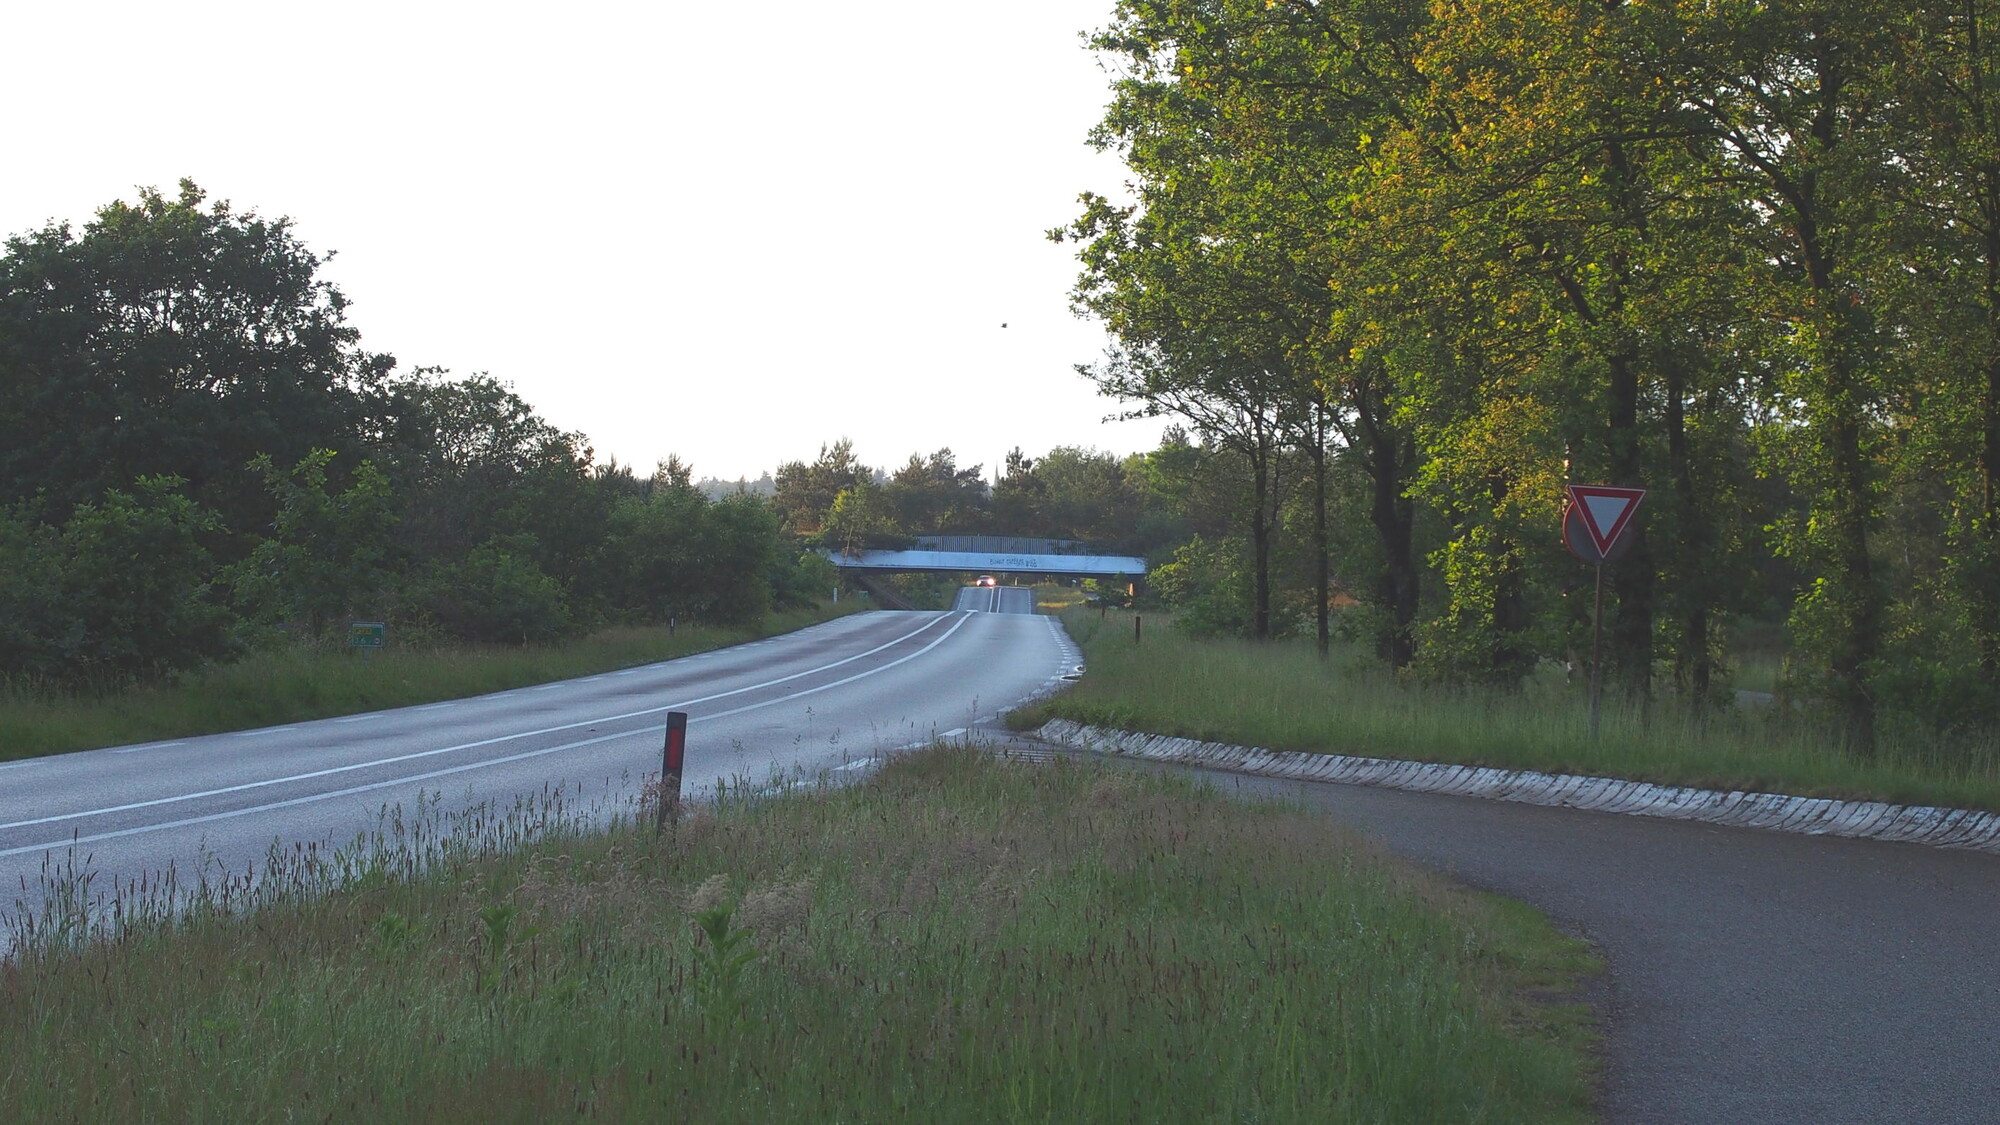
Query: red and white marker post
x: 1594, y: 525
x: 672, y: 753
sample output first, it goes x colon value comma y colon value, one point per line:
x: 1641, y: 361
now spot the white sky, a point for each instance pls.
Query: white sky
x: 728, y: 231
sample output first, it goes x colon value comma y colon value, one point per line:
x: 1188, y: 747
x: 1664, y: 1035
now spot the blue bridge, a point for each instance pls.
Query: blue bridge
x: 993, y: 554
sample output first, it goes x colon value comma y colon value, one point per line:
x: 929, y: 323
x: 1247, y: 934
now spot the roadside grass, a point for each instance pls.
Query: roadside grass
x: 957, y: 938
x: 295, y: 682
x: 1054, y: 597
x: 1757, y: 650
x: 1280, y: 695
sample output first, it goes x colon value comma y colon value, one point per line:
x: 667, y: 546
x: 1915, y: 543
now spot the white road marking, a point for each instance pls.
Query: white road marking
x: 328, y: 772
x: 359, y: 718
x: 305, y: 800
x: 150, y: 746
x: 258, y: 733
x: 449, y: 770
x: 824, y: 687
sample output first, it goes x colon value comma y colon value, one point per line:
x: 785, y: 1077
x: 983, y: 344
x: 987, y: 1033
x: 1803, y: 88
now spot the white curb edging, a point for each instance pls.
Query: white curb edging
x: 1808, y: 816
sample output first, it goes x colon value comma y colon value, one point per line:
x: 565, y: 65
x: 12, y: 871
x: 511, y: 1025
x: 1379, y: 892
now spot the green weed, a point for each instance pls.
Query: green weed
x: 956, y: 939
x: 1281, y: 695
x: 298, y: 682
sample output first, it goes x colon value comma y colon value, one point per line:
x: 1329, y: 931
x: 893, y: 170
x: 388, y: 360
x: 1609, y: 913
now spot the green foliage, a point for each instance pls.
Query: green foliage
x: 932, y: 495
x: 724, y: 952
x: 495, y: 594
x: 808, y: 577
x: 1207, y: 586
x: 329, y: 555
x: 172, y: 338
x: 122, y: 590
x: 806, y: 492
x: 1417, y: 265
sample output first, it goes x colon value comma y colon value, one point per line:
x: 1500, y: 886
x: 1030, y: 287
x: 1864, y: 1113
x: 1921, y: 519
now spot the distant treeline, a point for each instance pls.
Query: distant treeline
x: 199, y: 457
x: 196, y: 451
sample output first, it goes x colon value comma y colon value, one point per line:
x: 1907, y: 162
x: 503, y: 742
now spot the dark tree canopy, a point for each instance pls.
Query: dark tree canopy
x: 173, y: 338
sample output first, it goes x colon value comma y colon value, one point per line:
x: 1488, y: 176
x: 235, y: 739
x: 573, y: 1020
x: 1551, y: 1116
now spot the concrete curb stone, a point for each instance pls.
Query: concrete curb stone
x: 1809, y: 816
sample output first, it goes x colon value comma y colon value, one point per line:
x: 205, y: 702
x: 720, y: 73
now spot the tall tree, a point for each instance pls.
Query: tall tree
x: 806, y: 492
x: 173, y: 336
x: 1793, y: 99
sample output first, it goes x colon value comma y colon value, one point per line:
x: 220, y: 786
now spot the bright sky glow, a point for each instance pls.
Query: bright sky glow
x: 728, y: 231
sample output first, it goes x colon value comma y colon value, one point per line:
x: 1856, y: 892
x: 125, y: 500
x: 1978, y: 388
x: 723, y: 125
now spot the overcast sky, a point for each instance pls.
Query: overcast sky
x: 727, y: 231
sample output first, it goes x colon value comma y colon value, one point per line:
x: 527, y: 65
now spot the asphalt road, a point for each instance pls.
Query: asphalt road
x: 1755, y: 977
x: 822, y: 698
x: 995, y: 599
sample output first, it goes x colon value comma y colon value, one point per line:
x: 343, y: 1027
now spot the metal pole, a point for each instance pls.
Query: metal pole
x: 1136, y: 622
x: 671, y: 756
x: 1596, y: 651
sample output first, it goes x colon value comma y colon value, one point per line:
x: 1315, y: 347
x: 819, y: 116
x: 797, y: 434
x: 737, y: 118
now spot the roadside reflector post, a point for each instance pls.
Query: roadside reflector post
x: 1136, y: 622
x: 671, y: 756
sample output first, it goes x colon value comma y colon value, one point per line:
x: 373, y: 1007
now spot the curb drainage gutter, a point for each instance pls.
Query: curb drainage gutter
x: 1809, y: 816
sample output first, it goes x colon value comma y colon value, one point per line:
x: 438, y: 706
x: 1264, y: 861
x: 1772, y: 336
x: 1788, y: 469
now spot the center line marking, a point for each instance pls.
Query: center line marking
x: 332, y: 770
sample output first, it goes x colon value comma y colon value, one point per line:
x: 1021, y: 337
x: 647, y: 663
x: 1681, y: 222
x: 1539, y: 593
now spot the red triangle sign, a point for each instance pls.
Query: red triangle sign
x: 1606, y: 511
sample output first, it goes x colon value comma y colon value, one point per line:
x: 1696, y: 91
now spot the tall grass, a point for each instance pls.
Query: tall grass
x: 1281, y: 695
x: 955, y: 939
x: 294, y: 682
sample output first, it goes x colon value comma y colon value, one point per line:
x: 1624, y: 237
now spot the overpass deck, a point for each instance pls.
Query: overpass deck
x: 988, y: 562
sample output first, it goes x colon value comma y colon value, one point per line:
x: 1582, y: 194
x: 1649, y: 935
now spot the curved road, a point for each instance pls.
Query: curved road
x: 1754, y: 977
x: 821, y: 698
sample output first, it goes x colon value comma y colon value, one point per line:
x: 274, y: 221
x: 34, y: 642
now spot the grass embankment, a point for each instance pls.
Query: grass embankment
x: 295, y: 683
x: 955, y: 939
x: 1281, y: 696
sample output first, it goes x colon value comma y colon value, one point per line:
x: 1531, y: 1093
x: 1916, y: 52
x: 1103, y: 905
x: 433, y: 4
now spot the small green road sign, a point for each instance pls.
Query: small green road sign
x: 367, y: 634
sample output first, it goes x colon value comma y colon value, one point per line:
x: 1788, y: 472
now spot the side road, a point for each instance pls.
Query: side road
x: 1755, y: 976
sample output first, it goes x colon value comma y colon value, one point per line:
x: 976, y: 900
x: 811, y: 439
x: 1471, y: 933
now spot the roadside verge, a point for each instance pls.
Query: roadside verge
x: 1812, y: 816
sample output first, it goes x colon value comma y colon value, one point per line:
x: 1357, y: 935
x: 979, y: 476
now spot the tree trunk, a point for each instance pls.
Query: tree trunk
x: 1260, y: 543
x: 1694, y: 670
x: 1983, y: 590
x: 1632, y: 576
x: 1511, y: 660
x: 1322, y: 569
x: 1388, y: 454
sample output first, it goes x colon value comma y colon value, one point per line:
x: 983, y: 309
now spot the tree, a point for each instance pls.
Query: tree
x: 134, y: 599
x: 932, y: 494
x: 171, y: 338
x: 329, y: 554
x: 1791, y: 95
x: 806, y: 492
x: 859, y: 515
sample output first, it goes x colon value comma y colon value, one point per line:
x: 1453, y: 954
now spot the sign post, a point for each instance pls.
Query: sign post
x: 1594, y: 525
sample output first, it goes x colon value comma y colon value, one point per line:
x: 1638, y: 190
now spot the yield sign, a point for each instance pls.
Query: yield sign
x: 1605, y: 511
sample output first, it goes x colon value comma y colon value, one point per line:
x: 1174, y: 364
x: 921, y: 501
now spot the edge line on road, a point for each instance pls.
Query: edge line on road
x: 332, y: 770
x: 310, y: 798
